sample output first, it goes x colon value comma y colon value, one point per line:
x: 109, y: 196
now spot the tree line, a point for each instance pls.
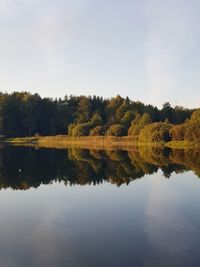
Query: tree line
x: 25, y: 114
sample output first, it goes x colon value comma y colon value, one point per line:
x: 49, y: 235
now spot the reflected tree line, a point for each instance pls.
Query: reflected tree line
x: 25, y: 167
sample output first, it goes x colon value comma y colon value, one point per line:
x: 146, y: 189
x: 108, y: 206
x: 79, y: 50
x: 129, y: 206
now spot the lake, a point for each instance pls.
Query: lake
x: 90, y: 208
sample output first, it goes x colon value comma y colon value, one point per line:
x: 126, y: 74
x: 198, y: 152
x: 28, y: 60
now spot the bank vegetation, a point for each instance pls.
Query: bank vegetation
x: 94, y: 121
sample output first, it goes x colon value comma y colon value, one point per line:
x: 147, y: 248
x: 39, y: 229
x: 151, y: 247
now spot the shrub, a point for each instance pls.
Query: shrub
x: 116, y: 130
x: 155, y: 132
x: 138, y: 123
x: 192, y: 132
x: 98, y: 130
x: 71, y: 128
x: 82, y: 129
x: 177, y: 132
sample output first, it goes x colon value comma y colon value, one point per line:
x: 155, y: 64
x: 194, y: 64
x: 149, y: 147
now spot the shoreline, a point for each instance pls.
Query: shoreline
x: 97, y: 142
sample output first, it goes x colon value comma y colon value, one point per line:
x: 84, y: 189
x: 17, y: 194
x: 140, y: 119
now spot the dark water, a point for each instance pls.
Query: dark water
x: 82, y: 208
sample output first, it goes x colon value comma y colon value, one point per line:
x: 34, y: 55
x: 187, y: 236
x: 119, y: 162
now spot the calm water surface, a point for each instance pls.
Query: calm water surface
x: 82, y: 208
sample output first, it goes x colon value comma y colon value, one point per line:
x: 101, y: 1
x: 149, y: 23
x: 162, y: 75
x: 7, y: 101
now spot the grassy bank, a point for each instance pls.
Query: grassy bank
x: 98, y: 142
x: 63, y: 141
x: 22, y: 140
x: 182, y: 145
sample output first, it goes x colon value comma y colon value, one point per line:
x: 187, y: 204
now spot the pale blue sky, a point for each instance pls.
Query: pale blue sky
x: 145, y: 49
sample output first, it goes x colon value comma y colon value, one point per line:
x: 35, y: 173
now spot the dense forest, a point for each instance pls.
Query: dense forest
x: 24, y: 114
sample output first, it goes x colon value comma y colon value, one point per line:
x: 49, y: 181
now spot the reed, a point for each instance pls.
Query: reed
x: 95, y: 142
x: 62, y: 141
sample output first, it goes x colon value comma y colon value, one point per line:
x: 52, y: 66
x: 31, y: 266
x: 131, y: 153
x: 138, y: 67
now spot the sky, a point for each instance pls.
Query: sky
x: 145, y: 49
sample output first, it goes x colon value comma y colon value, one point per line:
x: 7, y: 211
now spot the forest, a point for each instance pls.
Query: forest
x: 24, y: 114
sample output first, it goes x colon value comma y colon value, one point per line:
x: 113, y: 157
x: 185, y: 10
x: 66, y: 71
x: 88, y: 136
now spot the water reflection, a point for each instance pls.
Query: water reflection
x: 152, y: 222
x: 25, y: 167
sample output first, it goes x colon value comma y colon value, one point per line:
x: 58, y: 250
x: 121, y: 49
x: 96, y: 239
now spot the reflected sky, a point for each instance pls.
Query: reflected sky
x: 151, y: 222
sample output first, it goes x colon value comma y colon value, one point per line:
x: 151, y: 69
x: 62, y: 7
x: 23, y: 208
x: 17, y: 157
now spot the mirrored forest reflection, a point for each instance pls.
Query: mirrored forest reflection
x: 25, y: 167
